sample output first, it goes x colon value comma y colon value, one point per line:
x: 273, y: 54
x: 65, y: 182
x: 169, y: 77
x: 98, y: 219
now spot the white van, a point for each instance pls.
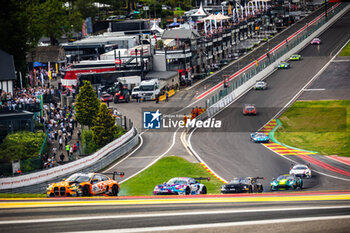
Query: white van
x: 135, y: 92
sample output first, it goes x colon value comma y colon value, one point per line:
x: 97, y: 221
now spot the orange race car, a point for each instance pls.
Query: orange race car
x: 85, y: 184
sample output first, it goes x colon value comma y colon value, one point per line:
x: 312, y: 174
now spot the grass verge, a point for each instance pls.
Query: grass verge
x: 162, y: 171
x: 345, y: 51
x: 321, y: 126
x: 21, y: 195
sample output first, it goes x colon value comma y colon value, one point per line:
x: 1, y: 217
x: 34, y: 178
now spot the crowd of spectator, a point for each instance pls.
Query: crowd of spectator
x: 22, y: 99
x: 61, y: 126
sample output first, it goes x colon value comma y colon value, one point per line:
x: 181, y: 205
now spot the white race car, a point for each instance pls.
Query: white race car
x: 300, y: 170
x: 260, y: 85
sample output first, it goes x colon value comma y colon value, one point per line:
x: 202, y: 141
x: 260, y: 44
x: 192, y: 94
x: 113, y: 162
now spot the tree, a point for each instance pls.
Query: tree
x: 87, y: 105
x: 104, y: 127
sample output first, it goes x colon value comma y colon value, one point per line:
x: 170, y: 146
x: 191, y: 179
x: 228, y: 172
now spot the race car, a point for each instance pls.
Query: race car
x: 260, y: 85
x: 295, y: 57
x: 259, y: 137
x: 249, y: 109
x: 181, y: 186
x: 316, y: 41
x: 106, y: 97
x: 243, y: 185
x: 85, y: 184
x: 286, y: 182
x: 300, y: 170
x: 283, y: 65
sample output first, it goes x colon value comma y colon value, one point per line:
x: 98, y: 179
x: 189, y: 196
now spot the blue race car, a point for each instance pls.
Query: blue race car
x: 259, y: 137
x: 286, y: 182
x: 181, y: 186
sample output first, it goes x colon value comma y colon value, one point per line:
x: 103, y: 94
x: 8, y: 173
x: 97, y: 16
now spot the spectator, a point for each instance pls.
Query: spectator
x: 75, y: 148
x: 67, y: 149
x: 62, y: 157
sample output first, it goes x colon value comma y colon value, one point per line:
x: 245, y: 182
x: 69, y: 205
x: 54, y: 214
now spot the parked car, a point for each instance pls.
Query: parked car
x: 106, y: 97
x: 135, y: 92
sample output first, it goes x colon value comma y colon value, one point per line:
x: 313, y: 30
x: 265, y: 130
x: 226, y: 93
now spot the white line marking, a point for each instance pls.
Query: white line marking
x: 316, y: 89
x: 154, y: 161
x: 218, y: 225
x: 141, y: 142
x: 169, y: 214
x: 341, y: 61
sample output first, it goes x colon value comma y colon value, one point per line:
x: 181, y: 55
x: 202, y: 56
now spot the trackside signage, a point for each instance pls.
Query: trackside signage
x: 157, y: 120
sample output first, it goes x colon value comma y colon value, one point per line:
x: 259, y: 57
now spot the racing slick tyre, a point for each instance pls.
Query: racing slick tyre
x: 86, y: 191
x: 115, y: 190
x: 187, y: 191
x: 204, y: 190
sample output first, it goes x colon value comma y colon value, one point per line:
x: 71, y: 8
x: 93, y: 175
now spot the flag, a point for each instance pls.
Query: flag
x: 56, y: 68
x: 233, y: 15
x: 256, y: 5
x: 84, y: 29
x: 211, y: 27
x: 263, y: 7
x: 256, y: 62
x: 242, y: 11
x: 50, y: 74
x: 229, y: 11
x: 205, y: 26
x: 245, y: 9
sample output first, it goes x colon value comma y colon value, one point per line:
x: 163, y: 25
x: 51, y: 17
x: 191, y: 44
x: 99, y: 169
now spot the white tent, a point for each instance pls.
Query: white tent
x: 200, y: 11
x: 220, y: 17
x: 155, y: 27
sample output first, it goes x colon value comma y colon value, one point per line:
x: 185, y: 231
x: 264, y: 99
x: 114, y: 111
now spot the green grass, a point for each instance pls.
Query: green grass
x: 345, y: 51
x: 162, y: 171
x: 321, y: 126
x: 21, y: 195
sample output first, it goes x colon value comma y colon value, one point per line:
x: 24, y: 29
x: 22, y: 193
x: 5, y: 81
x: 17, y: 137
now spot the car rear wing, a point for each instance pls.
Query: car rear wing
x: 202, y: 178
x: 121, y: 174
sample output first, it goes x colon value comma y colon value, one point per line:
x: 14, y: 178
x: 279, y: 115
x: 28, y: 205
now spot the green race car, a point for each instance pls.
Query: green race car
x: 295, y: 57
x: 283, y: 65
x: 286, y: 182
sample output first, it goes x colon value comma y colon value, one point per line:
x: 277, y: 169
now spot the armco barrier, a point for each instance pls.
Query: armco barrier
x: 248, y: 83
x: 241, y: 76
x: 94, y: 161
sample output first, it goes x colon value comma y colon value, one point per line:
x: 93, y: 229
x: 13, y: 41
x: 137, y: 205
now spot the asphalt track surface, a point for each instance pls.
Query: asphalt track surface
x: 178, y: 216
x: 231, y: 153
x: 156, y: 144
